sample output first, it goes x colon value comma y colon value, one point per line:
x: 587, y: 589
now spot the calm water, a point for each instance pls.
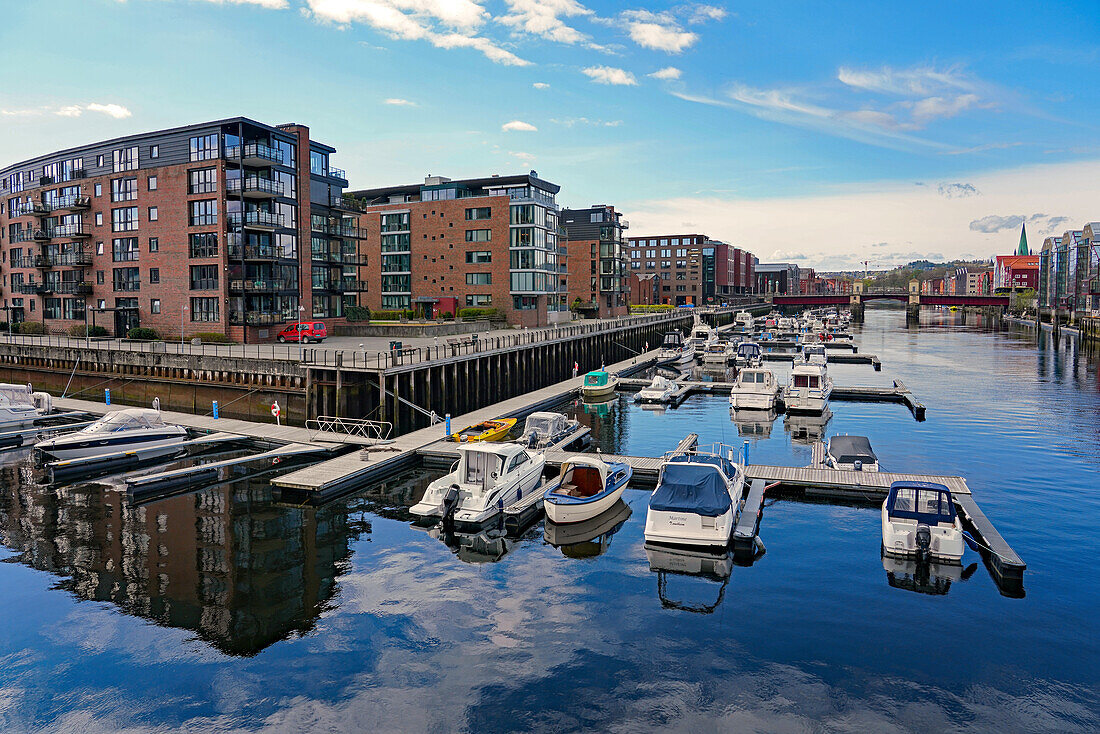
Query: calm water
x: 232, y: 609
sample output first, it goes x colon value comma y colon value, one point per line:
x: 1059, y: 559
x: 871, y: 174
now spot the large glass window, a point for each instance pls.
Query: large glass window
x: 479, y: 256
x: 204, y: 277
x: 204, y: 244
x: 318, y: 163
x: 126, y: 159
x: 124, y: 189
x: 481, y: 212
x: 479, y: 235
x: 203, y: 212
x: 204, y: 147
x: 395, y: 222
x: 204, y: 309
x: 395, y: 242
x: 479, y: 278
x: 124, y: 220
x: 124, y: 249
x: 202, y: 181
x: 289, y: 152
x: 127, y: 279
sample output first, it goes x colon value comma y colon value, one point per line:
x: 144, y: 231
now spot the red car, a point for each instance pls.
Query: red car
x: 304, y: 333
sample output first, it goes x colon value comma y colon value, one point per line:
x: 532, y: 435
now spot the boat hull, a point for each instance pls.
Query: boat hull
x: 18, y: 416
x: 899, y: 540
x: 565, y: 513
x: 689, y: 529
x: 752, y: 400
x: 63, y: 448
x: 598, y: 391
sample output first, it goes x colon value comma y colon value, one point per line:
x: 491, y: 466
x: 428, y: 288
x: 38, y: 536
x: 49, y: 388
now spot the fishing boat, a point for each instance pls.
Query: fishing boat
x: 702, y: 336
x: 598, y: 384
x: 586, y: 487
x: 546, y: 429
x: 485, y: 479
x: 718, y: 352
x: 748, y: 354
x: 591, y: 537
x: 697, y: 499
x: 812, y: 354
x: 495, y: 429
x: 120, y: 430
x: 754, y: 388
x: 674, y: 348
x: 851, y: 453
x: 17, y: 406
x: 660, y: 390
x: 919, y: 521
x: 808, y: 390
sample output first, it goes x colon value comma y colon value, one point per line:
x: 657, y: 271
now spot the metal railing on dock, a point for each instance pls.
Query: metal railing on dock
x: 335, y: 426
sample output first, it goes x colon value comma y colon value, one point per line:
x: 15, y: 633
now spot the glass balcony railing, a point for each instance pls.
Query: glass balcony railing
x: 254, y: 154
x: 255, y: 187
x: 257, y: 219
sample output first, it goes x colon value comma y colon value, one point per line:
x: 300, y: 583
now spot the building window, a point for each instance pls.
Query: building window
x: 395, y: 222
x: 152, y: 183
x: 479, y: 235
x: 127, y: 279
x: 154, y: 214
x: 204, y: 309
x: 203, y: 213
x: 318, y: 163
x: 99, y: 219
x: 98, y: 189
x: 124, y: 249
x: 478, y: 299
x: 481, y: 212
x: 595, y: 217
x: 126, y: 159
x: 124, y: 220
x: 204, y: 244
x: 204, y: 147
x: 204, y: 277
x: 474, y: 257
x: 99, y: 277
x: 202, y: 181
x: 99, y: 160
x: 154, y: 275
x: 154, y: 244
x: 479, y: 278
x: 124, y: 189
x: 154, y: 305
x: 154, y: 152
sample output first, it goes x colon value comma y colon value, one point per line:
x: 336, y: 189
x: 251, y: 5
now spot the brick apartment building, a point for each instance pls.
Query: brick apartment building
x: 692, y: 268
x: 192, y: 229
x: 597, y: 265
x: 778, y: 278
x: 445, y: 245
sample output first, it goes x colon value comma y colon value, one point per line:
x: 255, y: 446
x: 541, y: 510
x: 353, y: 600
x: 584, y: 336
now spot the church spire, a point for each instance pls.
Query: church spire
x: 1022, y: 250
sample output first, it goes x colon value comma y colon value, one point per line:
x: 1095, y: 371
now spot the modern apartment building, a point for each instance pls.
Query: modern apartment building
x: 693, y: 268
x: 597, y: 265
x: 1069, y: 271
x: 778, y: 278
x: 445, y: 245
x: 202, y: 228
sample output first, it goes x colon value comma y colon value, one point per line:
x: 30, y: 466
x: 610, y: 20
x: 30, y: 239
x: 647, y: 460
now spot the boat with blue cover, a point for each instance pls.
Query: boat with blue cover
x: 697, y: 500
x: 919, y: 521
x: 587, y: 486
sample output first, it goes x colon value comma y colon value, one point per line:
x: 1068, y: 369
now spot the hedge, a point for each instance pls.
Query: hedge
x: 391, y: 315
x: 212, y: 337
x: 654, y: 308
x: 358, y: 313
x: 142, y: 332
x: 93, y: 331
x: 480, y: 313
x: 32, y: 327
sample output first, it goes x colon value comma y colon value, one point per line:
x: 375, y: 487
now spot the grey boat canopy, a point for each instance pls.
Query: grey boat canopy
x: 850, y: 449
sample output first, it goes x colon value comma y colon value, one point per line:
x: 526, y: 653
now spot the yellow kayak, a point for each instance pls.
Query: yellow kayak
x: 491, y: 430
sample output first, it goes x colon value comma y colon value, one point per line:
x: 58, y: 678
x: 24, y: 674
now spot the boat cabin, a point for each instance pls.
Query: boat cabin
x: 925, y: 503
x: 543, y: 425
x: 673, y: 340
x: 810, y: 380
x: 11, y: 394
x: 583, y: 477
x: 482, y: 466
x: 749, y: 351
x: 753, y: 377
x: 126, y: 420
x: 596, y: 378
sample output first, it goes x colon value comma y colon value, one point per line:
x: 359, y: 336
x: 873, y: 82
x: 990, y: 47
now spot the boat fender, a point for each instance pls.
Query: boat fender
x: 924, y: 540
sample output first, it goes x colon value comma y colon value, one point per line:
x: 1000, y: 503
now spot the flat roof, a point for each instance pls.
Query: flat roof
x: 474, y: 183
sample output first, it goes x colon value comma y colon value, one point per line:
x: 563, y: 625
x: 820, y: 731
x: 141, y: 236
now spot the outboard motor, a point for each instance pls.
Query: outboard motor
x: 450, y: 504
x: 924, y: 541
x: 858, y: 465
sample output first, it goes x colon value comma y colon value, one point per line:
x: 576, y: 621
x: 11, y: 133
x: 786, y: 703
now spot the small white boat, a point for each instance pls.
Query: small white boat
x: 702, y: 336
x: 660, y: 390
x: 586, y: 487
x: 749, y: 354
x: 812, y: 354
x: 786, y: 324
x: 121, y: 430
x: 546, y: 429
x: 697, y: 500
x: 919, y: 521
x: 598, y: 384
x: 809, y: 389
x: 745, y: 320
x: 851, y: 453
x: 486, y: 478
x: 18, y: 406
x: 754, y: 388
x: 676, y: 349
x: 718, y: 352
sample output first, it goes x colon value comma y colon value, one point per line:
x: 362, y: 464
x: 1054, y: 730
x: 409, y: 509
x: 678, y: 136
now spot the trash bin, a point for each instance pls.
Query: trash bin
x: 395, y: 346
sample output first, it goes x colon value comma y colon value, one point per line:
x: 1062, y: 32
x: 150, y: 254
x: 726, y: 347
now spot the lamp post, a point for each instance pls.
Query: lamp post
x: 183, y: 318
x: 301, y: 308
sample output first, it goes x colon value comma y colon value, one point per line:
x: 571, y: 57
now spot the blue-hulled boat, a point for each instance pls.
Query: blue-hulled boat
x: 587, y: 486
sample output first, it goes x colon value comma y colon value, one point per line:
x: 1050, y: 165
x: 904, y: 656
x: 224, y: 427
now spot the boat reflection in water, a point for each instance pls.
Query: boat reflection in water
x: 807, y: 428
x: 487, y: 545
x: 924, y: 578
x: 753, y: 423
x: 590, y: 538
x: 711, y: 567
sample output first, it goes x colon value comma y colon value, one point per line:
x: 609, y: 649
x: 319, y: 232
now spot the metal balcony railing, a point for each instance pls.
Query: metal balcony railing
x: 71, y: 230
x: 255, y: 185
x: 255, y: 154
x: 71, y: 203
x: 257, y: 219
x: 257, y: 318
x: 259, y: 285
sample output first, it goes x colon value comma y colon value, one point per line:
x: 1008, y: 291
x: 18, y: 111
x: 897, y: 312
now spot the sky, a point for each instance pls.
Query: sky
x: 826, y: 135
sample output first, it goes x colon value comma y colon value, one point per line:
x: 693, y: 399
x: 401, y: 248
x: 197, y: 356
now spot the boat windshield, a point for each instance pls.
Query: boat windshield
x: 125, y: 420
x: 544, y: 425
x: 16, y: 394
x: 818, y: 351
x: 479, y: 468
x: 673, y: 339
x: 748, y: 350
x: 595, y: 378
x: 753, y: 377
x: 929, y: 504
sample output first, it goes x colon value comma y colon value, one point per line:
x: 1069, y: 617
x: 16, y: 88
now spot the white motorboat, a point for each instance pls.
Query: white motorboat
x: 702, y: 336
x: 697, y: 500
x: 546, y: 429
x: 786, y: 324
x: 121, y: 430
x: 17, y: 406
x: 809, y: 389
x: 586, y: 487
x: 718, y: 352
x: 745, y: 320
x: 754, y: 388
x: 486, y: 478
x: 660, y: 390
x: 851, y: 453
x: 749, y: 354
x: 919, y: 521
x: 812, y: 354
x: 676, y: 349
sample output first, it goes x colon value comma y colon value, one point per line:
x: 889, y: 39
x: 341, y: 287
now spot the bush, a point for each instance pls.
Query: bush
x: 386, y: 315
x: 654, y: 308
x: 358, y: 313
x: 32, y: 327
x: 142, y: 333
x: 212, y: 337
x: 446, y: 315
x: 93, y: 331
x: 480, y: 313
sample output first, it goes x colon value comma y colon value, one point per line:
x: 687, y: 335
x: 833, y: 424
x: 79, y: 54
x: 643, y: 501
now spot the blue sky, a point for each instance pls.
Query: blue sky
x: 823, y: 134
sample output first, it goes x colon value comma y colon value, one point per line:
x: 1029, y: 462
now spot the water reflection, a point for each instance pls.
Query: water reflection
x: 806, y: 428
x: 753, y: 424
x: 924, y: 578
x: 705, y: 568
x: 589, y: 538
x: 225, y: 562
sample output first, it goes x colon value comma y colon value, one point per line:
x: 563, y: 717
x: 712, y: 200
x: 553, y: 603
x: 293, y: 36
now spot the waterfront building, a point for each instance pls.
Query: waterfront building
x: 448, y: 244
x: 1069, y: 272
x: 693, y: 268
x: 777, y: 279
x: 1016, y: 271
x: 644, y: 288
x: 194, y: 229
x: 597, y: 264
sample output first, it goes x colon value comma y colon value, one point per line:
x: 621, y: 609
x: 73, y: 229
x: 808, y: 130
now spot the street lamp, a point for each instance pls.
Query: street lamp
x: 183, y: 318
x: 301, y: 308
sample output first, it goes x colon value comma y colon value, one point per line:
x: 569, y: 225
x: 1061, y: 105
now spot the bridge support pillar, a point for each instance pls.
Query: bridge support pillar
x: 912, y: 313
x: 855, y: 305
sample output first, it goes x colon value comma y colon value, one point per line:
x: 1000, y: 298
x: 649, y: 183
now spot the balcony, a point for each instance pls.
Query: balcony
x: 32, y: 289
x: 71, y: 230
x: 352, y: 285
x: 72, y: 203
x: 258, y: 252
x: 40, y: 235
x: 346, y: 230
x: 340, y: 173
x: 255, y: 155
x: 255, y: 187
x: 257, y: 318
x: 257, y: 220
x: 336, y: 201
x: 74, y: 288
x: 260, y: 285
x: 59, y: 260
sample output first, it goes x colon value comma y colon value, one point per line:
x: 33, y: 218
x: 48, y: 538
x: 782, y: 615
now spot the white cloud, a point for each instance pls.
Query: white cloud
x: 610, y: 75
x: 518, y: 126
x: 657, y: 31
x: 932, y: 108
x: 957, y: 190
x: 543, y: 18
x: 398, y: 102
x: 703, y: 13
x: 526, y: 158
x: 572, y: 121
x: 116, y: 111
x: 915, y: 220
x: 445, y: 24
x: 667, y: 73
x: 270, y: 4
x: 917, y: 82
x: 540, y: 85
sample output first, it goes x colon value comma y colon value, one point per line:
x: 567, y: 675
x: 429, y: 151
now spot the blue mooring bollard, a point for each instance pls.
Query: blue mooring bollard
x: 448, y: 417
x: 215, y: 408
x: 107, y: 395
